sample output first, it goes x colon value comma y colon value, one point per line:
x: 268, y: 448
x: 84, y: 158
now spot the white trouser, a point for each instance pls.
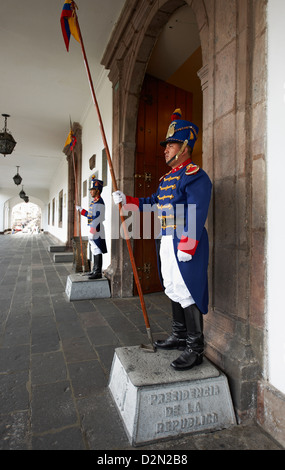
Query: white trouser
x: 94, y: 248
x: 174, y: 285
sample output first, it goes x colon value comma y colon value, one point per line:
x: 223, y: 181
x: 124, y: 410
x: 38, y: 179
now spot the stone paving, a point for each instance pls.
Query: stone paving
x: 56, y: 355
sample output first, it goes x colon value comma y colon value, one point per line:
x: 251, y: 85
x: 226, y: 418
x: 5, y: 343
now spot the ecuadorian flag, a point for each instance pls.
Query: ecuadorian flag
x: 71, y: 140
x: 68, y: 23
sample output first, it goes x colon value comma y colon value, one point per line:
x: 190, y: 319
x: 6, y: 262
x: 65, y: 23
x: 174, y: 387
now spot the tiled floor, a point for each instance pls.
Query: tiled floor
x: 55, y: 359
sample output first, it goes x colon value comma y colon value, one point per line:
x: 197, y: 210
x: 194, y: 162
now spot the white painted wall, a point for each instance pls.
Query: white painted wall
x: 92, y: 143
x: 5, y: 195
x: 59, y: 183
x: 276, y: 195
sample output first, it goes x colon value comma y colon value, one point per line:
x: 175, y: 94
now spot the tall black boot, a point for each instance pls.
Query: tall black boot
x: 97, y: 267
x: 193, y: 353
x: 177, y: 340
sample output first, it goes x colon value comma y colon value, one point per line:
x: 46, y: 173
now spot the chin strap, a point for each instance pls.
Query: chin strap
x: 179, y: 153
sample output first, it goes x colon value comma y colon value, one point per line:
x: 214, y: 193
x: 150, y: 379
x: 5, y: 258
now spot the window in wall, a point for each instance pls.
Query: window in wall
x: 104, y: 167
x: 92, y: 162
x: 85, y: 188
x: 53, y: 210
x: 60, y: 208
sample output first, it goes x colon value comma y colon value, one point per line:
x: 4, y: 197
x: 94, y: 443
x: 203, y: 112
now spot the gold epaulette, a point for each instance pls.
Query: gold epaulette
x: 161, y: 178
x: 191, y: 169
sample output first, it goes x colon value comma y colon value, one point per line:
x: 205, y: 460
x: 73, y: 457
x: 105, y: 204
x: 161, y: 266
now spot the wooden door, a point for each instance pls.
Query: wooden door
x: 157, y: 102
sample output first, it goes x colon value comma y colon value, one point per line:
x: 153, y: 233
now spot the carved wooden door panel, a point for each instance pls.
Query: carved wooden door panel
x: 157, y: 102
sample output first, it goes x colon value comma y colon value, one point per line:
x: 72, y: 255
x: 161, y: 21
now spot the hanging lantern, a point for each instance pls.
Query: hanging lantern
x: 17, y: 178
x: 22, y: 193
x: 7, y: 142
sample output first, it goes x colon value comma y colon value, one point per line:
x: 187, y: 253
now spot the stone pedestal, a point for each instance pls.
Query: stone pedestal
x: 156, y: 402
x: 79, y: 287
x: 66, y: 257
x: 57, y: 248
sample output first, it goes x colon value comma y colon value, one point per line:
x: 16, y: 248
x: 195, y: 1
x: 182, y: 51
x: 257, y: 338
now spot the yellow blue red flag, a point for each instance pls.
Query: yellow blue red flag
x: 70, y: 141
x: 68, y: 22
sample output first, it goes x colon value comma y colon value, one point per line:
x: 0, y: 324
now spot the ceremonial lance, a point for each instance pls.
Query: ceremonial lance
x: 70, y: 25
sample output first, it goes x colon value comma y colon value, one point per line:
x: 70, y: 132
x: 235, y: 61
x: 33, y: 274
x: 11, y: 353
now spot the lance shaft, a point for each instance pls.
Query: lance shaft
x: 137, y: 281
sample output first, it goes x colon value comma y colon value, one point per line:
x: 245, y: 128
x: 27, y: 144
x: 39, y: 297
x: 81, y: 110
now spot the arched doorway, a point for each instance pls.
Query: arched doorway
x: 171, y: 82
x: 26, y: 218
x: 127, y: 57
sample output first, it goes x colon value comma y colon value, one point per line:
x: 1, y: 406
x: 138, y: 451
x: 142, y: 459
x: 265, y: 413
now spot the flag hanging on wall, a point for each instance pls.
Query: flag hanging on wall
x: 68, y: 23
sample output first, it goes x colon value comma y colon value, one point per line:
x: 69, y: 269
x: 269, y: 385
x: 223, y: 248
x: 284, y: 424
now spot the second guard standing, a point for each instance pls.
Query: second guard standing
x: 96, y: 236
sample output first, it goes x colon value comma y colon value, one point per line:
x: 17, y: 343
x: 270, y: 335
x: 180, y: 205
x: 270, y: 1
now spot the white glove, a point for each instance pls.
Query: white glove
x: 182, y: 256
x: 118, y: 197
x: 78, y: 208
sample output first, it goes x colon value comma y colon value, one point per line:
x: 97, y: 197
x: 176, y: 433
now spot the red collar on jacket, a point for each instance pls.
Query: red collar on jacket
x: 182, y: 165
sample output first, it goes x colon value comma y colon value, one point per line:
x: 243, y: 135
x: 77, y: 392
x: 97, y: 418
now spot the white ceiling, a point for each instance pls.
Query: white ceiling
x: 42, y: 84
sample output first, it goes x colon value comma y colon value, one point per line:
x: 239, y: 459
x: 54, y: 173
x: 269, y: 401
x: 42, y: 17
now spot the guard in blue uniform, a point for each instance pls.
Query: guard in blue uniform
x: 96, y: 236
x: 182, y: 201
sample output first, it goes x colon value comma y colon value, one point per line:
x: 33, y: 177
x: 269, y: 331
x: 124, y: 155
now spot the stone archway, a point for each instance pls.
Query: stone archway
x: 140, y: 25
x: 232, y: 36
x: 11, y: 203
x: 28, y: 215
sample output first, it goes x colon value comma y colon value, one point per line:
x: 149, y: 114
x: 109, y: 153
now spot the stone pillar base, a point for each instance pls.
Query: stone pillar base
x: 79, y: 287
x: 156, y: 402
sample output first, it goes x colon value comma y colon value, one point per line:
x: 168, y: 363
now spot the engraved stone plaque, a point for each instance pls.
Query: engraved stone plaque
x: 156, y: 402
x: 79, y: 287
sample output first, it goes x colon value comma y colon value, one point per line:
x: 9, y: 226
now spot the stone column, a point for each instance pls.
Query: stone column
x: 77, y: 130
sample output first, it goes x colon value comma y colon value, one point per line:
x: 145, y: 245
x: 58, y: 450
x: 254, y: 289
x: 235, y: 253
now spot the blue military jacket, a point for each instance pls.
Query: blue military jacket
x: 96, y: 216
x: 182, y: 201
